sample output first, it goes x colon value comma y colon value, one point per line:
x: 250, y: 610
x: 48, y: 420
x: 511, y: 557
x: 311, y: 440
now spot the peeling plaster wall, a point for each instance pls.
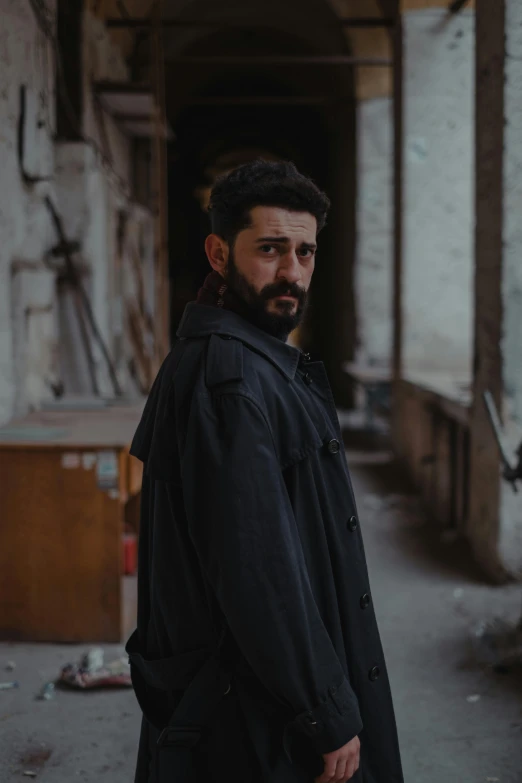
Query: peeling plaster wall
x: 90, y: 194
x: 27, y: 328
x: 88, y: 198
x: 438, y: 190
x: 374, y: 264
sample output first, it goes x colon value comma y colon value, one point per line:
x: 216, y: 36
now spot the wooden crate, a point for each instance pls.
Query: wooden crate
x: 64, y: 485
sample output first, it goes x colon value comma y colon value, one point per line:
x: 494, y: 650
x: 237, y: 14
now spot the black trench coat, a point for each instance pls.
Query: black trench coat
x: 249, y: 519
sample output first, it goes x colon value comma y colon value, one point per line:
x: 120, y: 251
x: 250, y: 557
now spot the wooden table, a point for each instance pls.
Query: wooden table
x: 65, y: 480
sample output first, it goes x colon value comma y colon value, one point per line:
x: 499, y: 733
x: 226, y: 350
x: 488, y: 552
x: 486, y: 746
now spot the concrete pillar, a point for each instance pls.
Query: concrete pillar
x: 374, y: 268
x: 495, y: 528
x: 438, y: 191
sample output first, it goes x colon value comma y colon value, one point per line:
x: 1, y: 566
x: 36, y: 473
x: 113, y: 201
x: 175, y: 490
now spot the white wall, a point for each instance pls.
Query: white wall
x: 90, y: 194
x: 438, y: 190
x: 27, y: 326
x: 88, y: 197
x: 374, y: 256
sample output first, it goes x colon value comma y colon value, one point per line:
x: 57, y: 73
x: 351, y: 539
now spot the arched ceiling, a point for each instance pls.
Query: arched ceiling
x: 313, y: 22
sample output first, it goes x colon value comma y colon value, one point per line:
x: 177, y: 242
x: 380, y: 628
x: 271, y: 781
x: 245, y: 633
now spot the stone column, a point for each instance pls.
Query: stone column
x: 438, y: 191
x: 495, y: 527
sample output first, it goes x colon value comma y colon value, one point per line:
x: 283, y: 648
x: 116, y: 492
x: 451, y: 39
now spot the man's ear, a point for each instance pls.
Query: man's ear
x: 217, y: 251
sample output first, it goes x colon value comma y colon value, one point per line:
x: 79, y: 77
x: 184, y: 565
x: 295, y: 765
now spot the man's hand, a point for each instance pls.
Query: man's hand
x: 342, y: 764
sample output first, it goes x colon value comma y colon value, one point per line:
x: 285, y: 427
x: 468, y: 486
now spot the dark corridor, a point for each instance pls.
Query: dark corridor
x: 228, y: 114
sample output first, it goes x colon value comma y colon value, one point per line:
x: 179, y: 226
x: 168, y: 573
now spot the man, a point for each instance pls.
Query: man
x: 257, y: 656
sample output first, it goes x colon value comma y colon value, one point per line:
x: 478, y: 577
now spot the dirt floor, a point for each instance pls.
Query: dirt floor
x: 459, y: 721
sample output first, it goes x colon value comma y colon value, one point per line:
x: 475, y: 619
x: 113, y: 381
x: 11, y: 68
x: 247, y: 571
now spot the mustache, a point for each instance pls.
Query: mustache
x: 283, y: 289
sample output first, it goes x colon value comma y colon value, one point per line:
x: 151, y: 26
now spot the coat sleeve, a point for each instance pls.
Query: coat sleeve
x: 243, y: 527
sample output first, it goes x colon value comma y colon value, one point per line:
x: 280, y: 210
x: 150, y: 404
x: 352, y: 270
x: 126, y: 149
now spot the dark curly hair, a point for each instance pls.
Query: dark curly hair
x: 262, y: 183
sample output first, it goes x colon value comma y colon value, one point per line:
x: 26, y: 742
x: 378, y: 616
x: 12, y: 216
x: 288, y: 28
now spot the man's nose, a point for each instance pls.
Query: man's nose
x: 290, y: 268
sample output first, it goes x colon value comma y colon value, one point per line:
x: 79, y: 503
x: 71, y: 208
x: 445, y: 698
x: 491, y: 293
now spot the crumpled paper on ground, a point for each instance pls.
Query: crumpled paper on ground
x: 93, y: 672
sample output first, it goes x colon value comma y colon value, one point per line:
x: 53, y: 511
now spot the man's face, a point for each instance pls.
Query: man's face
x: 271, y: 265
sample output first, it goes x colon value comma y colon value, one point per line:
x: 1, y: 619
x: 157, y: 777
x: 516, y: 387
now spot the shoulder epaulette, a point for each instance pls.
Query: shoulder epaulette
x: 224, y: 360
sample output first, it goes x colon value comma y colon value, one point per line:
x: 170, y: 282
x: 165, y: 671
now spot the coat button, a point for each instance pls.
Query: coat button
x: 308, y: 379
x: 373, y: 674
x: 334, y: 446
x: 365, y: 601
x: 352, y: 524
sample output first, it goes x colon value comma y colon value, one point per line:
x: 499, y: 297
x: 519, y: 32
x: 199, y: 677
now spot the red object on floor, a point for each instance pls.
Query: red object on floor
x: 130, y: 554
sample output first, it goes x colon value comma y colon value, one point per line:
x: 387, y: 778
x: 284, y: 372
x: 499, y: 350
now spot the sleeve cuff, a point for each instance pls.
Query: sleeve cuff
x: 333, y: 723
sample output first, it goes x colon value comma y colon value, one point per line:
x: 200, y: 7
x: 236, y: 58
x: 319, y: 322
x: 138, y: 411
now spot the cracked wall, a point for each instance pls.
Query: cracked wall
x: 27, y: 327
x: 88, y: 197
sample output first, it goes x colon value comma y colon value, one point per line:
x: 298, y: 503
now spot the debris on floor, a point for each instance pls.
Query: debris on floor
x: 8, y: 686
x: 10, y: 666
x: 47, y: 692
x: 34, y: 759
x: 93, y: 659
x: 498, y: 643
x: 93, y: 672
x: 473, y: 698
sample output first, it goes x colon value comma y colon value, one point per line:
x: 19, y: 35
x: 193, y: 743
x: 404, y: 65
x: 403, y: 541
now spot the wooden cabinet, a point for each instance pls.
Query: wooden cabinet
x: 65, y: 481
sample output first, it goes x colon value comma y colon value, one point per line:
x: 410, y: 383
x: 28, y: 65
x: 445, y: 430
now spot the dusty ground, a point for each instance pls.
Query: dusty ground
x: 428, y: 597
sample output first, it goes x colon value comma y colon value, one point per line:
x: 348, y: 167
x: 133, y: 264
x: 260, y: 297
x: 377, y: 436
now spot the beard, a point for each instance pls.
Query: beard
x: 279, y: 324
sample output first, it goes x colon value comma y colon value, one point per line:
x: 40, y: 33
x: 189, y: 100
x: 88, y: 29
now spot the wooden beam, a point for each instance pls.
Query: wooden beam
x: 483, y: 528
x: 162, y: 280
x: 258, y: 100
x: 379, y: 62
x: 70, y: 69
x: 146, y: 23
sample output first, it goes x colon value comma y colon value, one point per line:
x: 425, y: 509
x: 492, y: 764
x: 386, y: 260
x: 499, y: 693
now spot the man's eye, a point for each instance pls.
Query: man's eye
x: 266, y: 248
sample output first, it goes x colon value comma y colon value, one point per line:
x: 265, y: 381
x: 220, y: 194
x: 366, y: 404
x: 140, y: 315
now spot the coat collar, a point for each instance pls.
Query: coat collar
x: 201, y: 321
